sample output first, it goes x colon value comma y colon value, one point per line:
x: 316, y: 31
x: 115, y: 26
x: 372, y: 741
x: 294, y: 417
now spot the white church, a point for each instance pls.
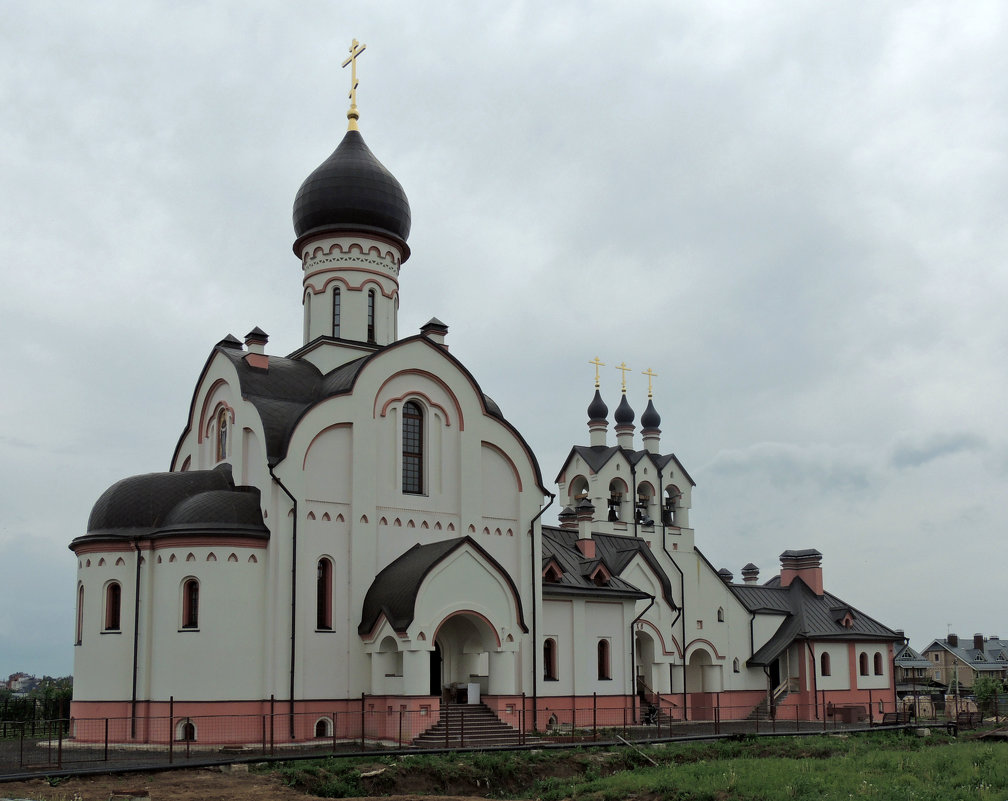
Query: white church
x: 356, y: 526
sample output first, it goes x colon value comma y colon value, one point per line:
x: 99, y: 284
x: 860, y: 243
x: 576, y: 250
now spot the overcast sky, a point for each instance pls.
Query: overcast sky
x: 795, y: 213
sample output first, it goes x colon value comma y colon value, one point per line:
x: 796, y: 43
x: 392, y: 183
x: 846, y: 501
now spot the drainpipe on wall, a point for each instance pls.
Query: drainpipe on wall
x: 815, y: 684
x: 633, y: 654
x: 293, y: 637
x: 681, y: 612
x: 136, y: 642
x: 535, y: 626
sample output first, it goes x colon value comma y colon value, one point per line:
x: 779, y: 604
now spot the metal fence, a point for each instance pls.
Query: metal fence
x: 120, y: 743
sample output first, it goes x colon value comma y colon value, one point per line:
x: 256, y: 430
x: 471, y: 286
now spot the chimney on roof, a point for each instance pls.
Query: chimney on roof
x: 435, y: 331
x: 953, y: 640
x: 568, y: 518
x: 726, y: 575
x: 978, y: 642
x: 806, y: 565
x: 585, y: 515
x: 587, y: 547
x: 255, y: 341
x: 750, y: 574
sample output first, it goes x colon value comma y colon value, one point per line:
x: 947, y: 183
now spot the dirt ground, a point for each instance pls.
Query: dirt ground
x: 210, y: 784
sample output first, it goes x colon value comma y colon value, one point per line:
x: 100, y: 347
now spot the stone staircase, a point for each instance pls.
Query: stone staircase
x: 468, y: 726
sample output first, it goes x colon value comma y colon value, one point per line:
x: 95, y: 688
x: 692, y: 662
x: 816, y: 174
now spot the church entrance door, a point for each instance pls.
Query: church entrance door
x: 435, y: 671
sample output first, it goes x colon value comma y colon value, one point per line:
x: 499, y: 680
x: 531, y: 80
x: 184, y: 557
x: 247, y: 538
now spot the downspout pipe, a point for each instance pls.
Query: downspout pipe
x: 815, y: 684
x: 535, y: 623
x: 136, y: 642
x: 681, y: 612
x: 633, y: 652
x: 293, y: 604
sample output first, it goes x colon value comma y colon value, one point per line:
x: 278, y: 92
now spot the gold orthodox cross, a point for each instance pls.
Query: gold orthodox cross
x: 355, y: 50
x: 597, y: 364
x: 649, y: 375
x: 623, y: 369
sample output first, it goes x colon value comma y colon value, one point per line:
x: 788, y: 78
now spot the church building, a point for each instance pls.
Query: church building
x: 357, y: 525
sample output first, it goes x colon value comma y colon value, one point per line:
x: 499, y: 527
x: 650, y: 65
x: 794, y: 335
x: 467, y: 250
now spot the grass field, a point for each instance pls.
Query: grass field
x: 881, y: 766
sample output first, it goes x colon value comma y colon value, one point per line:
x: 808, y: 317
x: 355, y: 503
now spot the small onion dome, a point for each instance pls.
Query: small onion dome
x: 624, y: 414
x: 650, y: 419
x: 597, y: 410
x: 726, y: 575
x: 352, y: 190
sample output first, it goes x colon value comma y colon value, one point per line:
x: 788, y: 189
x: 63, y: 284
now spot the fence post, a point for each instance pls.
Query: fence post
x: 272, y: 724
x: 822, y: 696
x: 334, y: 732
x: 171, y: 729
x: 624, y: 718
x: 59, y: 746
x: 400, y: 728
x: 595, y: 716
x: 362, y: 721
x: 797, y: 707
x: 21, y: 753
x: 264, y: 734
x: 523, y: 720
x: 462, y: 727
x: 717, y: 713
x: 871, y: 715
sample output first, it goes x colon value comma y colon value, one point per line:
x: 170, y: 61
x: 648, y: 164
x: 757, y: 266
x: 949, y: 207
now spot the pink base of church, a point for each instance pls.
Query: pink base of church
x: 400, y: 719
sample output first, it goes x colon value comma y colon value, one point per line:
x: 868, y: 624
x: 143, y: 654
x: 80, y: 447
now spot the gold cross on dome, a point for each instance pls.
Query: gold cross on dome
x: 623, y: 369
x: 649, y: 375
x: 352, y: 115
x: 597, y: 364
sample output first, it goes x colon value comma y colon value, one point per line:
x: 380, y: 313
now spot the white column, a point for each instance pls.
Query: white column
x: 502, y: 673
x: 416, y: 672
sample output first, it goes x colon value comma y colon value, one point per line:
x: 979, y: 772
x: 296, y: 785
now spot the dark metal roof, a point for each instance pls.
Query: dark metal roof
x: 352, y: 190
x: 993, y: 657
x: 907, y: 657
x: 614, y: 551
x: 808, y: 616
x: 596, y: 457
x: 159, y: 503
x: 394, y: 590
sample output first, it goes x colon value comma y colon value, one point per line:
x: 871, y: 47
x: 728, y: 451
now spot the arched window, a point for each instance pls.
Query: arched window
x: 323, y: 595
x: 720, y: 614
x: 863, y: 664
x: 672, y: 495
x: 186, y: 731
x: 735, y: 666
x: 550, y: 659
x: 336, y: 312
x: 878, y: 664
x: 604, y: 670
x: 79, y: 633
x: 113, y: 605
x: 617, y: 492
x: 824, y: 665
x: 190, y: 604
x: 412, y: 448
x: 222, y: 435
x: 323, y: 727
x: 371, y: 315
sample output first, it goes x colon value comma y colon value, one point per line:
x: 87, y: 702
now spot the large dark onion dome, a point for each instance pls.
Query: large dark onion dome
x: 624, y: 415
x: 650, y: 419
x: 597, y: 410
x: 352, y: 190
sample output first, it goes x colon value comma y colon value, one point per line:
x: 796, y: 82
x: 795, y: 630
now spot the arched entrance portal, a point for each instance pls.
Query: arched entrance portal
x: 703, y: 682
x: 464, y: 643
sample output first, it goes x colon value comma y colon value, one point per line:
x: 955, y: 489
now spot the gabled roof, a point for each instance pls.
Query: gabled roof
x: 614, y: 551
x: 808, y: 617
x: 393, y: 592
x: 597, y: 456
x: 907, y: 657
x: 992, y: 658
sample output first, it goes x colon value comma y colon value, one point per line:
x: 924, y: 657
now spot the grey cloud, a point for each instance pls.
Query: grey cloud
x: 917, y: 451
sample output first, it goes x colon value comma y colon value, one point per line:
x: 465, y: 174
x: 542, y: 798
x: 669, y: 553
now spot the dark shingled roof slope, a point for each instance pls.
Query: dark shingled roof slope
x: 614, y: 551
x: 394, y: 590
x: 596, y: 456
x: 809, y: 617
x: 156, y: 504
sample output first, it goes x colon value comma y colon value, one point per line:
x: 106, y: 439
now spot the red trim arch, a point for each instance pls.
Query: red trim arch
x: 657, y: 632
x: 339, y: 279
x: 435, y: 379
x: 430, y: 404
x: 203, y: 430
x: 318, y: 250
x: 500, y: 452
x: 318, y: 434
x: 700, y: 641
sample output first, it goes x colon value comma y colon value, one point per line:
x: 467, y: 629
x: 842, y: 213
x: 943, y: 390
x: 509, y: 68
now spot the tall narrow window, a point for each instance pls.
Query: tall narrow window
x: 190, y: 604
x: 323, y: 595
x: 335, y: 312
x: 863, y: 664
x: 603, y: 660
x: 79, y: 634
x: 878, y: 664
x: 113, y: 604
x: 222, y: 435
x: 550, y: 659
x: 824, y: 664
x: 371, y: 315
x: 412, y: 449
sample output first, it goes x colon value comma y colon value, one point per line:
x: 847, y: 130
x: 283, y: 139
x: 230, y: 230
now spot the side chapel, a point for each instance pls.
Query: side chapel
x: 358, y: 519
